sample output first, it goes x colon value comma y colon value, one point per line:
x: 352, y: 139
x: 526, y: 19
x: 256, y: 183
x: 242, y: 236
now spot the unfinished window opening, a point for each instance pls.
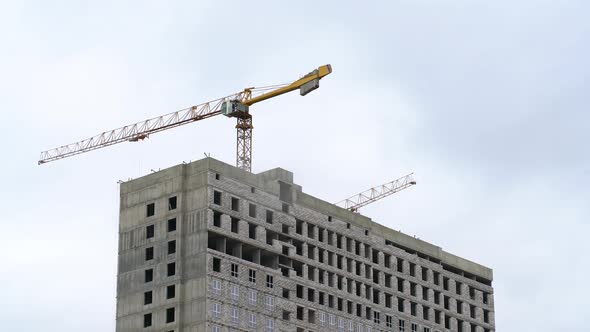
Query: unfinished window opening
x: 367, y: 251
x: 285, y: 208
x: 388, y: 302
x: 400, y: 304
x: 299, y: 291
x: 216, y: 219
x: 331, y: 238
x: 149, y: 253
x: 235, y: 204
x: 436, y: 278
x: 235, y: 225
x: 149, y: 231
x: 171, y: 269
x: 400, y: 285
x: 252, y: 210
x: 426, y: 313
x: 436, y: 297
x: 170, y: 291
x: 286, y: 315
x: 413, y: 308
x: 150, y: 209
x: 286, y: 293
x: 311, y: 316
x: 147, y: 298
x: 446, y: 283
x: 285, y: 229
x: 269, y: 216
x: 338, y: 241
x: 458, y: 288
x: 437, y: 316
x: 299, y: 313
x: 311, y: 294
x: 170, y: 315
x: 447, y: 322
x: 171, y: 225
x: 424, y: 274
x: 172, y: 203
x: 171, y: 247
x: 330, y: 218
x: 485, y: 297
x: 387, y: 278
x: 252, y: 231
x: 424, y: 293
x: 148, y: 275
x: 471, y: 311
x: 459, y: 307
x: 486, y: 316
x: 412, y: 269
x: 367, y: 271
x: 298, y: 226
x: 368, y: 292
x: 366, y: 232
x: 375, y: 256
x: 252, y: 190
x: 321, y: 255
x: 376, y: 276
x: 147, y: 320
x: 216, y: 264
x: 310, y: 231
x: 368, y: 313
x: 460, y: 326
x: 216, y: 197
x: 446, y: 302
x: 412, y: 289
x: 298, y: 267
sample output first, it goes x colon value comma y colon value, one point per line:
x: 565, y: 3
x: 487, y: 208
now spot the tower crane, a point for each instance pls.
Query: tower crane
x: 354, y: 203
x: 236, y: 105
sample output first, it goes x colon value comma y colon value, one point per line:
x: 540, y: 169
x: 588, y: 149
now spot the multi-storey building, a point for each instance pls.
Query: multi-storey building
x: 206, y: 246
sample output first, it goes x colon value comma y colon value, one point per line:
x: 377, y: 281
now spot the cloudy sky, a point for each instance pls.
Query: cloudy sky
x: 486, y: 101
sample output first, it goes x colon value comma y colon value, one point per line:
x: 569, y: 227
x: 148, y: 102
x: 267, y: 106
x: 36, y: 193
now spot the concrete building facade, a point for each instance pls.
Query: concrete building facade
x: 206, y: 246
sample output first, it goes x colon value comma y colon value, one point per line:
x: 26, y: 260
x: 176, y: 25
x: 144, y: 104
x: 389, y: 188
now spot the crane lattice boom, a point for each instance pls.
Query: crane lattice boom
x: 370, y: 195
x: 235, y: 105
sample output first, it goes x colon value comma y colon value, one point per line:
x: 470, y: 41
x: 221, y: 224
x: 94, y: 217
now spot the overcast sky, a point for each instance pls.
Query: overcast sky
x: 486, y: 101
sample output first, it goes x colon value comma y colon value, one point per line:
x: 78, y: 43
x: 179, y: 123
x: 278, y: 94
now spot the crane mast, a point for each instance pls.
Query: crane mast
x: 354, y: 203
x: 235, y: 105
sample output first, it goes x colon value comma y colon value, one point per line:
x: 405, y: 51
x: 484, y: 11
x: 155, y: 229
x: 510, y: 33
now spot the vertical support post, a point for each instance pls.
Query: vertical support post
x: 244, y: 142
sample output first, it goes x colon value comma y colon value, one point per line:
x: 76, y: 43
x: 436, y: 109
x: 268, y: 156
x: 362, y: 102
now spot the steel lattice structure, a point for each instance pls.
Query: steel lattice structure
x: 370, y: 195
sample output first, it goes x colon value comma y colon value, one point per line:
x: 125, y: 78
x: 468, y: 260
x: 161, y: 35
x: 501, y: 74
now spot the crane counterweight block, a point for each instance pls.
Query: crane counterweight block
x: 309, y: 87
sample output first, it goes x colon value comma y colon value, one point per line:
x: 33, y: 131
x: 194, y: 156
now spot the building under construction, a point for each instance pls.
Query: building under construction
x: 207, y: 246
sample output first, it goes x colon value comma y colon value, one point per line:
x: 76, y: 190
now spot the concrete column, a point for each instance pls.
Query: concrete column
x: 243, y: 228
x: 225, y: 222
x: 406, y: 287
x: 406, y: 267
x: 430, y: 296
x: 419, y: 291
x: 466, y: 327
x: 430, y: 276
x: 478, y: 329
x: 478, y: 314
x: 304, y: 249
x: 452, y: 304
x: 464, y: 290
x: 452, y: 286
x: 381, y: 258
x: 419, y: 311
x: 453, y: 324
